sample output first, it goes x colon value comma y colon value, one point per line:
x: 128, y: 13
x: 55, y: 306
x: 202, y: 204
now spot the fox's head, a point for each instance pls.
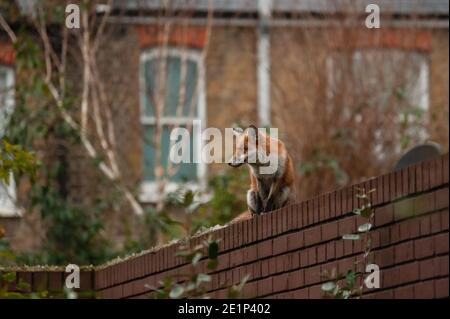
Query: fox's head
x: 250, y: 147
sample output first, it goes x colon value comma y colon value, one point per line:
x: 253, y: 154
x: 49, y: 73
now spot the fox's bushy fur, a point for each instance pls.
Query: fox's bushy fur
x: 268, y: 191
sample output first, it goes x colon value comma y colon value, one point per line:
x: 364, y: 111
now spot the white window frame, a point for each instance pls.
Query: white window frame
x: 8, y: 193
x: 148, y: 189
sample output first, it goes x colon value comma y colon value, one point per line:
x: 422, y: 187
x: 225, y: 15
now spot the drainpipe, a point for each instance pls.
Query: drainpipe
x: 263, y: 68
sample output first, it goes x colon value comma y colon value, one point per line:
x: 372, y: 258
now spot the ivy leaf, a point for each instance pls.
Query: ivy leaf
x: 176, y: 292
x: 203, y: 278
x: 364, y: 228
x: 213, y: 250
x: 328, y: 286
x: 196, y: 258
x: 366, y: 211
x: 351, y: 278
x: 351, y: 237
x: 188, y: 198
x: 9, y: 277
x: 212, y: 264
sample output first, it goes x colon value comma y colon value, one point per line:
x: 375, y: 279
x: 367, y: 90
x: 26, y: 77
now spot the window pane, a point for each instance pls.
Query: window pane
x: 184, y: 171
x: 173, y: 83
x: 6, y: 95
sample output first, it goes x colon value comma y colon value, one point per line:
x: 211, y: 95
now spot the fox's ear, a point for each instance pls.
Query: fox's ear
x: 252, y: 131
x: 237, y: 131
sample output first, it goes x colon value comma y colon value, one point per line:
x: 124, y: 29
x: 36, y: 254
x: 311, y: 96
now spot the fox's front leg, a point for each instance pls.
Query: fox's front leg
x: 269, y: 202
x: 254, y: 202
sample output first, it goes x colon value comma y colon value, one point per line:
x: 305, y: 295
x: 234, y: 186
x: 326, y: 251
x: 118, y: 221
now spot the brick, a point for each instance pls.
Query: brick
x: 404, y: 252
x: 441, y: 243
x: 345, y: 265
x: 312, y: 255
x: 425, y: 226
x: 385, y: 257
x: 379, y: 190
x: 424, y: 247
x: 384, y: 236
x: 280, y: 282
x: 310, y: 212
x: 236, y: 258
x: 312, y: 236
x: 249, y: 254
x: 304, y: 258
x: 250, y: 290
x: 390, y: 277
x: 441, y: 265
x: 426, y: 168
x: 280, y: 263
x: 339, y: 248
x: 346, y: 226
x: 312, y: 275
x: 384, y: 215
x: 321, y: 253
x: 348, y: 247
x: 405, y: 182
x: 444, y: 220
x: 408, y: 273
x: 284, y: 295
x: 387, y: 294
x: 419, y: 178
x: 224, y: 261
x: 305, y: 210
x: 395, y: 233
x: 295, y: 240
x: 445, y: 168
x: 265, y: 287
x: 296, y: 279
x: 273, y: 264
x: 441, y: 288
x: 404, y: 208
x: 333, y: 204
x: 424, y: 203
x: 316, y: 210
x: 424, y: 290
x: 265, y: 249
x: 330, y: 231
x: 315, y: 292
x: 280, y: 245
x: 398, y: 184
x: 294, y: 260
x: 405, y: 292
x: 435, y: 223
x: 331, y: 254
x: 441, y: 198
x: 427, y: 269
x: 300, y: 294
x: 411, y: 179
x: 40, y: 281
x: 392, y: 186
x: 86, y: 280
x: 55, y: 282
x: 436, y: 173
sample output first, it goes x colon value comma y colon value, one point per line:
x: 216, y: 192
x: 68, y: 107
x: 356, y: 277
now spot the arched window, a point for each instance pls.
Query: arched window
x: 172, y: 79
x: 7, y: 192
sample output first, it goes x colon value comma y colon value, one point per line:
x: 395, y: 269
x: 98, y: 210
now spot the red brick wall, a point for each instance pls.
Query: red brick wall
x: 286, y: 251
x: 7, y: 53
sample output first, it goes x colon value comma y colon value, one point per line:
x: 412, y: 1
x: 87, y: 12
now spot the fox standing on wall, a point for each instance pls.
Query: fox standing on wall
x: 271, y: 170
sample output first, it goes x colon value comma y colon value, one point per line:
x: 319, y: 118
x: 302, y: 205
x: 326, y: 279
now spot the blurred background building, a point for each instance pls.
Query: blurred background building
x: 348, y: 100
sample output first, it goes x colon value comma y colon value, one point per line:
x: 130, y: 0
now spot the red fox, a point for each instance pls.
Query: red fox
x: 270, y: 189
